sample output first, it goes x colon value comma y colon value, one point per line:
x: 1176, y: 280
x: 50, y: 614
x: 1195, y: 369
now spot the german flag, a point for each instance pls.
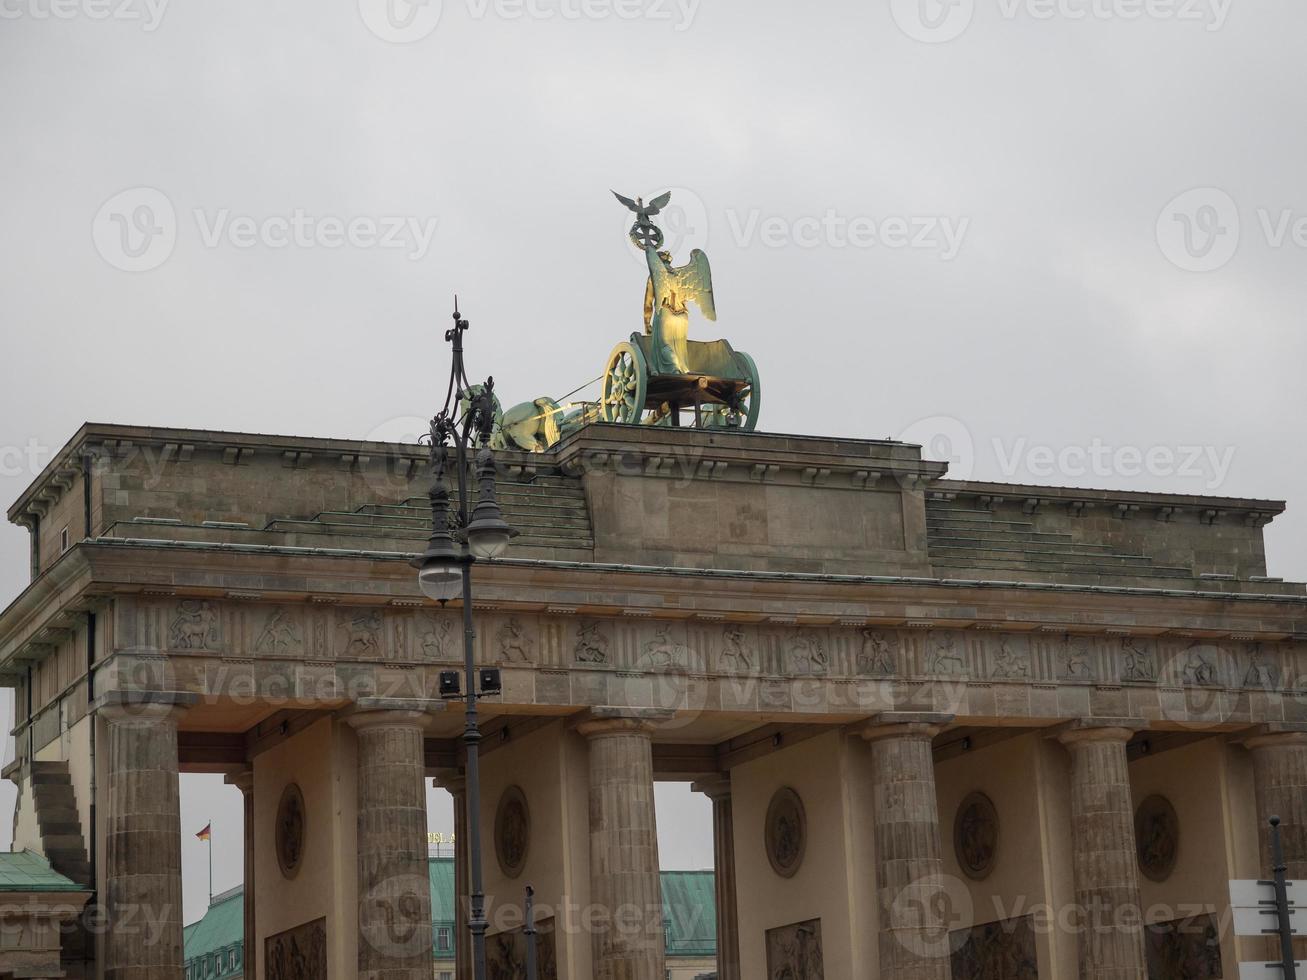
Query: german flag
x: 205, y: 834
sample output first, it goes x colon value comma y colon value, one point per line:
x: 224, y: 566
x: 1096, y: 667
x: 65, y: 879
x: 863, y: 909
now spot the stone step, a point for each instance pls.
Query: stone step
x: 1016, y: 567
x: 1022, y: 559
x: 50, y: 774
x: 63, y: 843
x: 973, y: 516
x: 992, y: 531
x: 54, y: 829
x: 54, y: 794
x: 981, y: 540
x: 58, y: 814
x: 1030, y: 547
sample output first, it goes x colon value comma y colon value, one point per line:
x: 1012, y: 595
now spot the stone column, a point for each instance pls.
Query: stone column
x: 143, y: 851
x: 244, y: 781
x: 456, y: 785
x: 394, y: 891
x: 1280, y: 782
x: 625, y: 887
x: 1111, y: 939
x: 723, y: 838
x: 914, y: 896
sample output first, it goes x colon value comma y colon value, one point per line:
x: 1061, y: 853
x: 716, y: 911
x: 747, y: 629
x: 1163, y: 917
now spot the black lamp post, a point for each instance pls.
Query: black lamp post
x: 445, y: 572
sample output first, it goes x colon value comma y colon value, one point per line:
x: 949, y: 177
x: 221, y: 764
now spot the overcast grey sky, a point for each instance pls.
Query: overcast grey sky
x: 1059, y: 241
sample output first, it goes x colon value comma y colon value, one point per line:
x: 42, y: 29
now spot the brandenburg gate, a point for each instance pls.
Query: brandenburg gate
x: 949, y: 728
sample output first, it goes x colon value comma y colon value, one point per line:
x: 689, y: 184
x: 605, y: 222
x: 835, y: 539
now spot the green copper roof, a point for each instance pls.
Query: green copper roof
x: 690, y: 913
x: 441, y: 872
x: 688, y: 909
x: 223, y: 924
x: 27, y: 871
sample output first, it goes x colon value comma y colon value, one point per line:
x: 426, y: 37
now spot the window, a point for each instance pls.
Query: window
x: 442, y: 939
x: 63, y: 540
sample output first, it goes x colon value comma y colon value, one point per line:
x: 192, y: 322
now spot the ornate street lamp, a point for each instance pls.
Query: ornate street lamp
x: 445, y: 571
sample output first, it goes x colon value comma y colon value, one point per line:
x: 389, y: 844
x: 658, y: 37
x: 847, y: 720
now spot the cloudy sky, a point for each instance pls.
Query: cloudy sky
x: 1056, y: 241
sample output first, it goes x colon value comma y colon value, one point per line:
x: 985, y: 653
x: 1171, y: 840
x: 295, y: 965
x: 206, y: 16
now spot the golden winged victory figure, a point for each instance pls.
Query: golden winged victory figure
x: 670, y: 289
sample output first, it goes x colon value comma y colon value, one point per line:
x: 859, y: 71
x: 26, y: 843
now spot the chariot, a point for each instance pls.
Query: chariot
x: 719, y: 388
x: 660, y: 376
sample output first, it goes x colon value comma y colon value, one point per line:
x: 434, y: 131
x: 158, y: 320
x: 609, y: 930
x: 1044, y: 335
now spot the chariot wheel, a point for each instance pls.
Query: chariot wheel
x: 626, y: 379
x: 745, y: 414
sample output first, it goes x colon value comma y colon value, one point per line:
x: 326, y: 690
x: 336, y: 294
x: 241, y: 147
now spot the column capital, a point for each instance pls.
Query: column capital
x: 618, y: 721
x: 452, y: 781
x: 1083, y: 730
x: 242, y: 779
x: 390, y: 712
x: 1273, y: 735
x: 904, y: 724
x: 143, y: 707
x: 716, y: 788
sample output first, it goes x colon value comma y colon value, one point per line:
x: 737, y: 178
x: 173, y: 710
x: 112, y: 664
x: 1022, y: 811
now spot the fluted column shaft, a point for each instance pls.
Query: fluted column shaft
x: 914, y: 919
x: 728, y: 924
x: 244, y: 781
x: 625, y: 888
x: 143, y: 860
x: 1111, y: 935
x: 394, y: 891
x: 1280, y: 784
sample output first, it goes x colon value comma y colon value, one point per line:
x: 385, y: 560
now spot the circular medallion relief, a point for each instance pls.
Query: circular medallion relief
x: 512, y: 831
x: 1157, y: 837
x: 786, y: 832
x: 289, y: 836
x: 975, y: 835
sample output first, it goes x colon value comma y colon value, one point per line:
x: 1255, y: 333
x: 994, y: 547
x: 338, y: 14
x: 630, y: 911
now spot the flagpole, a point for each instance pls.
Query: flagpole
x: 210, y: 843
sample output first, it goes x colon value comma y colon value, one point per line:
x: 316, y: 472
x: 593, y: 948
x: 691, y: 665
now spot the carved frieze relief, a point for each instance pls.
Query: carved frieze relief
x: 1197, y: 678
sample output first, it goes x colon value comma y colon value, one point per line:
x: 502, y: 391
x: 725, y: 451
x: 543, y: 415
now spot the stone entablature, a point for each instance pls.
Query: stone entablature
x: 316, y: 653
x: 647, y: 496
